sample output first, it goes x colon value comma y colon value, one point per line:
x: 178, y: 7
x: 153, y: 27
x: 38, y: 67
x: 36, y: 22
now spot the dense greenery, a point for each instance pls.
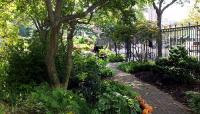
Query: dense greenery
x: 47, y: 64
x: 116, y: 58
x: 46, y: 100
x: 116, y: 98
x: 25, y: 91
x: 178, y: 68
x: 194, y: 101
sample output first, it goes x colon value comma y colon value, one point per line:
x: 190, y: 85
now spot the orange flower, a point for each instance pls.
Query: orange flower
x: 145, y: 111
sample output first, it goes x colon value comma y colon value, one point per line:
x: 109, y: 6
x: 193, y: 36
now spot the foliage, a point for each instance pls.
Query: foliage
x: 87, y: 72
x: 115, y: 58
x: 83, y: 43
x: 179, y: 68
x: 25, y: 63
x: 106, y: 72
x: 118, y: 99
x: 51, y: 101
x: 84, y: 40
x: 8, y: 14
x: 178, y: 55
x: 194, y: 101
x: 133, y: 67
x: 104, y: 53
x: 145, y: 30
x: 2, y: 109
x: 179, y: 59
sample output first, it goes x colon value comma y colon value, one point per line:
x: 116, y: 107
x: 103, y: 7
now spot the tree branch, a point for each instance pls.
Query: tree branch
x: 50, y: 10
x: 160, y: 4
x: 88, y: 21
x: 172, y: 2
x: 58, y: 8
x: 155, y: 7
x: 90, y: 9
x: 35, y: 23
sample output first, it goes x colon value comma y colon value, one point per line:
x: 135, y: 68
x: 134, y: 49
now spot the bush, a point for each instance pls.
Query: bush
x: 21, y: 68
x: 194, y: 101
x: 104, y: 53
x: 53, y: 101
x: 115, y: 58
x: 163, y: 73
x: 180, y: 66
x: 133, y: 67
x: 177, y: 55
x: 117, y: 99
x: 106, y: 72
x: 25, y: 63
x: 175, y: 75
x: 87, y: 73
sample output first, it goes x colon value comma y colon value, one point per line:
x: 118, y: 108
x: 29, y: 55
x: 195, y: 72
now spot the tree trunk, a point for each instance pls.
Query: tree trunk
x: 50, y: 58
x: 115, y: 47
x: 69, y: 56
x: 159, y: 38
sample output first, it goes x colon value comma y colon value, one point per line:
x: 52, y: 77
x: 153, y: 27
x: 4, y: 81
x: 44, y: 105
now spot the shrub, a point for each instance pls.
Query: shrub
x: 106, y: 72
x: 163, y: 62
x: 180, y: 65
x: 163, y: 73
x: 175, y: 75
x: 117, y: 99
x: 53, y: 101
x: 25, y: 63
x: 194, y: 101
x: 87, y: 72
x: 133, y: 67
x: 126, y: 67
x: 115, y: 58
x: 177, y: 55
x: 104, y: 53
x: 21, y: 69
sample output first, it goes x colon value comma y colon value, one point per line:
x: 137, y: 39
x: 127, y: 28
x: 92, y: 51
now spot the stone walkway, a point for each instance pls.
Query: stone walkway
x: 162, y: 102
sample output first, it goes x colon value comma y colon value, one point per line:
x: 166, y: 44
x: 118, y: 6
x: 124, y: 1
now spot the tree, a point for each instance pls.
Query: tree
x: 56, y: 18
x: 49, y: 17
x: 160, y: 6
x: 194, y: 14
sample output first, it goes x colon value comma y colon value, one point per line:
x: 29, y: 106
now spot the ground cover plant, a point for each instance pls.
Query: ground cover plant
x: 194, y: 101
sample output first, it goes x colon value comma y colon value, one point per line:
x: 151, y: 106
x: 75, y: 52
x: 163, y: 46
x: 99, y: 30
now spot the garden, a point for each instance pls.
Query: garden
x: 56, y: 58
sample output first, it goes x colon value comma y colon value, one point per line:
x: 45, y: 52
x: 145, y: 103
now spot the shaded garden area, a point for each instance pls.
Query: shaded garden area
x: 55, y: 56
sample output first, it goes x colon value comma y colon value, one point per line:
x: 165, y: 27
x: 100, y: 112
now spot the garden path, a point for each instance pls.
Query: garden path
x: 161, y: 102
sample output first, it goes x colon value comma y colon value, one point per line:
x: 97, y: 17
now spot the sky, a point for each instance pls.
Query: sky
x: 176, y: 13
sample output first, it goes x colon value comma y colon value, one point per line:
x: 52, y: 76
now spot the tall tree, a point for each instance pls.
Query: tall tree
x: 160, y: 6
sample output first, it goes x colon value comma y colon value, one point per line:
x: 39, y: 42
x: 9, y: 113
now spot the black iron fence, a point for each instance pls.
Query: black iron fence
x: 186, y: 36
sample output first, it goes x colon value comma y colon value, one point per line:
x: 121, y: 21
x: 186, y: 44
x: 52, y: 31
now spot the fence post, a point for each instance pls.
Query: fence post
x: 189, y: 37
x: 197, y: 33
x: 182, y: 35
